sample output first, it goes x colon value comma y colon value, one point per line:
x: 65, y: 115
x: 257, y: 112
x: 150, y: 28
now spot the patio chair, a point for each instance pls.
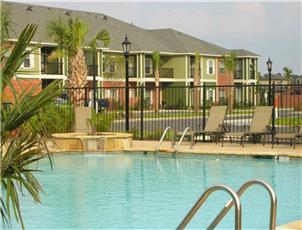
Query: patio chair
x: 290, y: 136
x: 214, y: 124
x: 83, y: 117
x: 259, y: 126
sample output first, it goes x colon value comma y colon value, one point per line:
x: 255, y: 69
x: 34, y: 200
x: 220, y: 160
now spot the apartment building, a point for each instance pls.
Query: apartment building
x: 177, y: 54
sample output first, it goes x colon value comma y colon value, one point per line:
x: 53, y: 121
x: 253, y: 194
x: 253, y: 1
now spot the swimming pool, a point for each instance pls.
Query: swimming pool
x: 138, y: 190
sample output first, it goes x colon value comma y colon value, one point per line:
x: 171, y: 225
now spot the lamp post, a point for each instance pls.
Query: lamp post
x: 269, y: 68
x: 126, y: 47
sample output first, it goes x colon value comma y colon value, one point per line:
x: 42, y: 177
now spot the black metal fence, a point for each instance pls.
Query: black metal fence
x: 183, y: 106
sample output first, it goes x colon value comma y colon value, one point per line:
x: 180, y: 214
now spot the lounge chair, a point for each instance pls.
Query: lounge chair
x: 83, y: 117
x: 214, y: 124
x: 290, y: 136
x: 259, y: 126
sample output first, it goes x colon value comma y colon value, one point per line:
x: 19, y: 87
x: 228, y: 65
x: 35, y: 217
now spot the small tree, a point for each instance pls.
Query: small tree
x: 196, y: 81
x: 230, y: 66
x: 156, y: 62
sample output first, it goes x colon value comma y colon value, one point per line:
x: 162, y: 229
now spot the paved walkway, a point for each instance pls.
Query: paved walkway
x: 293, y: 225
x: 227, y: 149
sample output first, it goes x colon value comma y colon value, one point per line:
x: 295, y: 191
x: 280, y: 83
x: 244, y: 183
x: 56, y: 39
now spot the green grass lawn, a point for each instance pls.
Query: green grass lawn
x: 289, y: 121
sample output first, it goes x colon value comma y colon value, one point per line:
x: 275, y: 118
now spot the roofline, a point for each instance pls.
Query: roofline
x: 106, y: 49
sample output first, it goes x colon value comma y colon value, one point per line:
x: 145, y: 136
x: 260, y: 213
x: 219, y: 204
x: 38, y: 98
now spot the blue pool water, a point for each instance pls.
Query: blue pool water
x: 139, y: 191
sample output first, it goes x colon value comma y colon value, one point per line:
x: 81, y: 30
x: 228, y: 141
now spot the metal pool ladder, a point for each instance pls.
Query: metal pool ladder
x: 182, y: 137
x: 162, y: 138
x: 235, y: 199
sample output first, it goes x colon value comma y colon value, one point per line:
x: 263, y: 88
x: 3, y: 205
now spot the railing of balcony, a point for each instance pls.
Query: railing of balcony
x: 252, y: 74
x: 192, y: 69
x: 90, y: 70
x: 132, y: 71
x: 52, y: 68
x: 238, y: 74
x: 163, y: 73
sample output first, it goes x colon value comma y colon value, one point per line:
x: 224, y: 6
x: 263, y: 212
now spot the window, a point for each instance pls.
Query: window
x: 149, y: 66
x: 109, y: 67
x: 210, y: 67
x: 221, y: 67
x: 28, y: 62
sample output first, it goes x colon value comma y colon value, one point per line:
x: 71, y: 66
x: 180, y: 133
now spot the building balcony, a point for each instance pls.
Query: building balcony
x: 238, y: 74
x: 163, y: 73
x: 132, y: 71
x: 52, y: 68
x: 90, y: 70
x: 252, y: 74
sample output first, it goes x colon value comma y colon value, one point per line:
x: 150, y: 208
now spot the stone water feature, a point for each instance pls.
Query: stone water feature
x: 96, y: 142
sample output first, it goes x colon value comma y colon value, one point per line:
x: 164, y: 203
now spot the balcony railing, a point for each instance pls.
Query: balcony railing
x: 192, y: 69
x: 52, y: 68
x: 163, y: 73
x: 252, y: 74
x: 90, y: 70
x: 238, y: 74
x: 132, y: 71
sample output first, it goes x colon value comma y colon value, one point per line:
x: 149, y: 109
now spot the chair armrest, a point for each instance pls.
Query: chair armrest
x: 297, y: 129
x: 224, y: 127
x: 246, y: 128
x: 269, y: 129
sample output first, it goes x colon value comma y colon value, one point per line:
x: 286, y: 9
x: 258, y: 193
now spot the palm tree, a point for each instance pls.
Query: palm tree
x: 196, y: 81
x: 70, y: 36
x: 5, y: 25
x: 19, y: 152
x: 230, y: 66
x: 156, y: 62
x: 288, y: 74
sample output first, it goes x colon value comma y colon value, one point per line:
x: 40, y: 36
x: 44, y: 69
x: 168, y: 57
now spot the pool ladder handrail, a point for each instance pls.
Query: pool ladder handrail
x: 182, y: 137
x: 235, y: 199
x: 242, y: 189
x: 162, y: 138
x: 203, y: 198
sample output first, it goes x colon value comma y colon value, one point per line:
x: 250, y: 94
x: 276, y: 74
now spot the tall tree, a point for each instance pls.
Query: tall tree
x: 21, y: 151
x: 196, y: 81
x: 70, y: 36
x: 288, y: 74
x: 156, y: 63
x: 230, y: 66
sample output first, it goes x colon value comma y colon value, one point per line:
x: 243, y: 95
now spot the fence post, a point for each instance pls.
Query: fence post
x: 142, y: 111
x: 273, y: 118
x: 203, y: 110
x: 85, y: 97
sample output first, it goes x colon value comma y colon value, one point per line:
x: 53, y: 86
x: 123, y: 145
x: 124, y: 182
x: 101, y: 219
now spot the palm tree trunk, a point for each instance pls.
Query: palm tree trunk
x: 77, y: 78
x: 157, y: 93
x: 196, y: 94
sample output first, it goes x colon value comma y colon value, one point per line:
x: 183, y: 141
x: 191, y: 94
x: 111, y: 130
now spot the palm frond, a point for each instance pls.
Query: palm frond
x: 156, y: 58
x: 18, y: 55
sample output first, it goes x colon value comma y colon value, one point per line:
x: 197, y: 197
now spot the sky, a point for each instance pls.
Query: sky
x: 271, y: 28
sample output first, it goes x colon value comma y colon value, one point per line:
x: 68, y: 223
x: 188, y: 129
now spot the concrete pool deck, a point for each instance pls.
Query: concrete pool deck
x: 292, y: 225
x: 227, y: 149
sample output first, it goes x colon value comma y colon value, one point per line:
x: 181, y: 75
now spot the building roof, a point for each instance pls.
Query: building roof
x: 244, y: 53
x: 163, y: 40
x: 184, y: 43
x: 277, y: 76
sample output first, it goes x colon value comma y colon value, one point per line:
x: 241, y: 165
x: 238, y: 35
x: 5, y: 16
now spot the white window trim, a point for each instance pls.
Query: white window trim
x: 208, y: 67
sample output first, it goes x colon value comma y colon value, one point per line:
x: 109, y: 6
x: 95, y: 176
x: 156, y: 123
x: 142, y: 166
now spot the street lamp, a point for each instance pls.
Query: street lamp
x: 126, y: 47
x: 269, y: 68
